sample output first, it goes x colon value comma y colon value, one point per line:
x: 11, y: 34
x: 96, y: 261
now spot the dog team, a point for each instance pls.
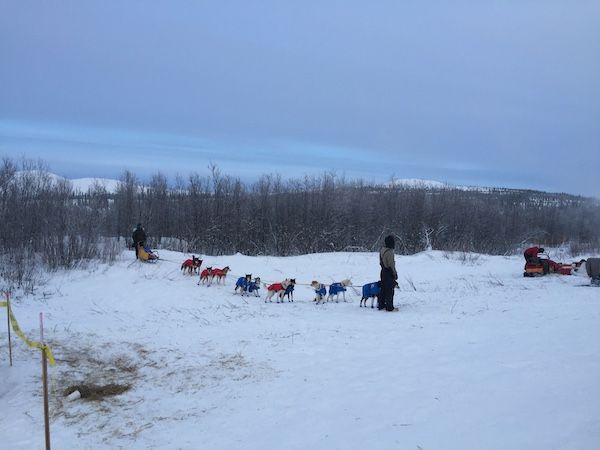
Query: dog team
x: 246, y: 285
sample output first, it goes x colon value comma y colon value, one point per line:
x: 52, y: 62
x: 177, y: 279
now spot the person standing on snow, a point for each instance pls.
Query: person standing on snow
x: 139, y: 238
x: 388, y: 275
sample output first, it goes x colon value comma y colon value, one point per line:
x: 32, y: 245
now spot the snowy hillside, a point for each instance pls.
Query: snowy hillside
x: 478, y: 357
x: 79, y: 184
x: 418, y: 183
x: 84, y: 184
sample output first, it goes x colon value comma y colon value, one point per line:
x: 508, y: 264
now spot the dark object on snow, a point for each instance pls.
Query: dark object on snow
x: 592, y: 266
x: 96, y: 392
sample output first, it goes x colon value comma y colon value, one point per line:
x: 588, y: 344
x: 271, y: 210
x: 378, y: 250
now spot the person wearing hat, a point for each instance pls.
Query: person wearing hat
x: 388, y: 275
x: 139, y: 238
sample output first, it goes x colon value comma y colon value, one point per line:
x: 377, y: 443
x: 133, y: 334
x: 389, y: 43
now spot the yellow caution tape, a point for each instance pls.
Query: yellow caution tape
x: 29, y: 342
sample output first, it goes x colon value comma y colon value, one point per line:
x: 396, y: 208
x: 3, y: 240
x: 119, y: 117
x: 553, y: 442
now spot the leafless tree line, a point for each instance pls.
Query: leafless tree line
x: 45, y: 221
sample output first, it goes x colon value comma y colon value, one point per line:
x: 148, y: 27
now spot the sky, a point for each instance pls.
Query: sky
x: 495, y: 93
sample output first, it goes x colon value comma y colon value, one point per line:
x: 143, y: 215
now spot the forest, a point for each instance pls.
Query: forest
x: 46, y: 223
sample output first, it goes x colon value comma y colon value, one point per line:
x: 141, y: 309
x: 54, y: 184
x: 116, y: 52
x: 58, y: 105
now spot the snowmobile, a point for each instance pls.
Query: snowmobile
x: 544, y: 266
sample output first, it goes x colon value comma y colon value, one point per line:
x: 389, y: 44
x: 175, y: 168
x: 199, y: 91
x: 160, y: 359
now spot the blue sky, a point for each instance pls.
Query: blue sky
x: 483, y: 93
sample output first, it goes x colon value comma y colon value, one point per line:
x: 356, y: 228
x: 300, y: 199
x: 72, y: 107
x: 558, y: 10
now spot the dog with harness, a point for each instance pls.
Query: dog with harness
x: 336, y: 288
x: 220, y: 274
x: 279, y: 289
x: 370, y: 291
x: 289, y: 291
x: 205, y: 275
x: 191, y: 266
x: 320, y: 291
x: 254, y: 286
x: 242, y: 284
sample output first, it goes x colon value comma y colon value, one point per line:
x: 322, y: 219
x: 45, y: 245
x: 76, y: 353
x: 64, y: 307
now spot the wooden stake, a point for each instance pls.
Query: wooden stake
x: 8, y: 326
x: 45, y: 384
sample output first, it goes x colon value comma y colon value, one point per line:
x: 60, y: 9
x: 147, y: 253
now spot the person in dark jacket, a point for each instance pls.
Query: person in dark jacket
x: 139, y: 238
x: 388, y: 275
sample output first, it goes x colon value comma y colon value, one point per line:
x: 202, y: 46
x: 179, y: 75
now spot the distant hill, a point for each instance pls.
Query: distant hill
x: 83, y: 185
x: 80, y: 185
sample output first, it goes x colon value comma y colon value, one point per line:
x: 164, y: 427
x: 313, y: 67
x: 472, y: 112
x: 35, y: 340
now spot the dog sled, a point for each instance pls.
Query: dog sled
x: 146, y: 254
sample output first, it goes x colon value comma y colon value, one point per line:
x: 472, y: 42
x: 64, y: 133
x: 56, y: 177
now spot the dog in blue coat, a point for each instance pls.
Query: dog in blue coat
x: 242, y: 284
x: 336, y: 288
x: 254, y: 286
x: 289, y: 291
x: 370, y: 291
x: 320, y: 291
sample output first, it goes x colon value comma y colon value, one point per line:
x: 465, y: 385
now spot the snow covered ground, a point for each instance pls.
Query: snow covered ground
x: 478, y: 357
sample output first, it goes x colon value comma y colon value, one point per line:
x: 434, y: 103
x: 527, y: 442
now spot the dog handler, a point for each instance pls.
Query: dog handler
x: 388, y: 275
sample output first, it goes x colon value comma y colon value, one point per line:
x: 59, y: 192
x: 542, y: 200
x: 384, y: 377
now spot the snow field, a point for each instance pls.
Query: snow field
x: 477, y: 357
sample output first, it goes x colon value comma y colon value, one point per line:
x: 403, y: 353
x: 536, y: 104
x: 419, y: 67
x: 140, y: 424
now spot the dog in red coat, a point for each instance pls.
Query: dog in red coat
x: 279, y: 289
x: 191, y: 266
x: 206, y: 275
x: 220, y: 274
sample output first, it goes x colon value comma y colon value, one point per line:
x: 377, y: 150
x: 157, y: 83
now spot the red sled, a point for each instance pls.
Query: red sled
x: 565, y: 269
